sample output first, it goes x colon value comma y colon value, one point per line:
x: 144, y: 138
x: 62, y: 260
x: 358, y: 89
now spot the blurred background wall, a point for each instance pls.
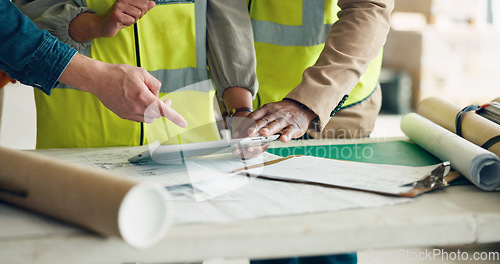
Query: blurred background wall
x: 445, y: 48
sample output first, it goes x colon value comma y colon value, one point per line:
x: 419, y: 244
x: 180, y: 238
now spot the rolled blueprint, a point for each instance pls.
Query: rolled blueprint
x: 475, y: 128
x: 104, y: 203
x: 480, y: 166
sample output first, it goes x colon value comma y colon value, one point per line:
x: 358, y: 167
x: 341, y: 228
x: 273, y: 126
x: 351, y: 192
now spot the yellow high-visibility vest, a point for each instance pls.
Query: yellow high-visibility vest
x: 169, y: 42
x: 289, y: 37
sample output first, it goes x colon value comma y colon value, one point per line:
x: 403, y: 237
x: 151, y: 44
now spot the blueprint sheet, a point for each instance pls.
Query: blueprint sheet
x: 205, y: 190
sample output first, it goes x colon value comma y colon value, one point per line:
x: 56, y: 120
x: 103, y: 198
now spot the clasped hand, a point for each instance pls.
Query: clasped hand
x: 122, y: 14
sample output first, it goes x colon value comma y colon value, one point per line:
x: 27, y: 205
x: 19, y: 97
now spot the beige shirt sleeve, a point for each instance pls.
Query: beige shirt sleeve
x: 352, y: 43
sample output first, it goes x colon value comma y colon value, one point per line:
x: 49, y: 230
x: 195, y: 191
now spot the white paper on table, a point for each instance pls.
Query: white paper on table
x: 480, y: 166
x: 263, y: 198
x: 188, y: 171
x: 205, y: 190
x: 391, y: 179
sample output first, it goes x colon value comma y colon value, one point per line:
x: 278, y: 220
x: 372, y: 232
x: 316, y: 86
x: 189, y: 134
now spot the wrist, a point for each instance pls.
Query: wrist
x: 305, y: 109
x: 236, y: 98
x: 240, y: 111
x: 85, y: 27
x: 81, y: 73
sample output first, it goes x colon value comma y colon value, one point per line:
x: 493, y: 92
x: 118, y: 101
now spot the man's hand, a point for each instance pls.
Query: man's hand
x: 126, y: 90
x: 251, y: 150
x: 123, y: 13
x: 286, y: 117
x: 241, y: 98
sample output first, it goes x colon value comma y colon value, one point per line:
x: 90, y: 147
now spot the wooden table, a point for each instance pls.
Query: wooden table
x: 456, y: 215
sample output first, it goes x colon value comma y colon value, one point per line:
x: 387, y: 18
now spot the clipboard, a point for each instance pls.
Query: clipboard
x: 438, y: 178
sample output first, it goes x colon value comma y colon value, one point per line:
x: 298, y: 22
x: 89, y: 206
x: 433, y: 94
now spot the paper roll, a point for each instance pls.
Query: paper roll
x: 480, y: 166
x: 104, y: 203
x: 475, y: 128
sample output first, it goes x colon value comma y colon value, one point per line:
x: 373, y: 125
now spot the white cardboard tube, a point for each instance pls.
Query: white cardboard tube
x: 96, y: 200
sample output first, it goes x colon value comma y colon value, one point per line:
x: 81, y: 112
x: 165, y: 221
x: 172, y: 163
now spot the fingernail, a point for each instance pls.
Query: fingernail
x: 183, y: 124
x: 251, y: 149
x: 264, y: 130
x: 236, y: 152
x: 236, y: 134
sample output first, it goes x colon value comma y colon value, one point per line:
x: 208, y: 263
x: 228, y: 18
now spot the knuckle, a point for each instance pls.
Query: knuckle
x: 138, y: 13
x: 156, y: 85
x: 271, y: 107
x: 141, y: 100
x: 119, y: 5
x: 135, y: 97
x: 134, y: 109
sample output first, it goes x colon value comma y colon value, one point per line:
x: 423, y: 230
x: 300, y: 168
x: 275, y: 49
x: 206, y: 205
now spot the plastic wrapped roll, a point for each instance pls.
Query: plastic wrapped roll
x: 475, y: 128
x: 101, y: 202
x: 480, y: 166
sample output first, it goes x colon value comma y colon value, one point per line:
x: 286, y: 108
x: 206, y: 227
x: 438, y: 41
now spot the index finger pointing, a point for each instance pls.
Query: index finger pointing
x: 171, y: 114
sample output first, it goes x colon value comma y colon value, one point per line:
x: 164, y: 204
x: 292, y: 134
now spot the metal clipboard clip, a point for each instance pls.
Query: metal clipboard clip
x: 435, y: 179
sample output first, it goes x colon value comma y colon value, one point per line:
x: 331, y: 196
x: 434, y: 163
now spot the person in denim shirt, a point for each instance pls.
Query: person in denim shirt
x: 38, y: 59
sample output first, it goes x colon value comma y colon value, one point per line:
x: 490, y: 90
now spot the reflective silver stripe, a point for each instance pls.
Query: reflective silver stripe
x: 202, y: 86
x: 313, y: 13
x: 173, y: 80
x: 312, y: 32
x: 200, y: 12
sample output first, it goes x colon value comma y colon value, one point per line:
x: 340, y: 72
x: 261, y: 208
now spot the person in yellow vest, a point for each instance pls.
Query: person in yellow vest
x: 36, y: 58
x: 166, y: 37
x: 318, y: 64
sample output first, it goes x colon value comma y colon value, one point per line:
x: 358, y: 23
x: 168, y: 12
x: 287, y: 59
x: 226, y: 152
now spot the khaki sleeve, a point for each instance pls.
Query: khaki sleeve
x: 231, y: 52
x: 54, y: 16
x: 352, y: 43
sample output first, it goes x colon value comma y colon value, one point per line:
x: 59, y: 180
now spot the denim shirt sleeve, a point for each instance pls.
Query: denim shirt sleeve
x: 29, y: 55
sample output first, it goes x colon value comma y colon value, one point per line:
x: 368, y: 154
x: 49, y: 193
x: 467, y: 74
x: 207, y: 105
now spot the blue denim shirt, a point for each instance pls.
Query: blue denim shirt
x: 27, y: 54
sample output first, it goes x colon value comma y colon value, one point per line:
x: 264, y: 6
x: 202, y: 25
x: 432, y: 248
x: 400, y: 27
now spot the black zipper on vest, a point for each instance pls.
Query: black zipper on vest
x: 138, y: 62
